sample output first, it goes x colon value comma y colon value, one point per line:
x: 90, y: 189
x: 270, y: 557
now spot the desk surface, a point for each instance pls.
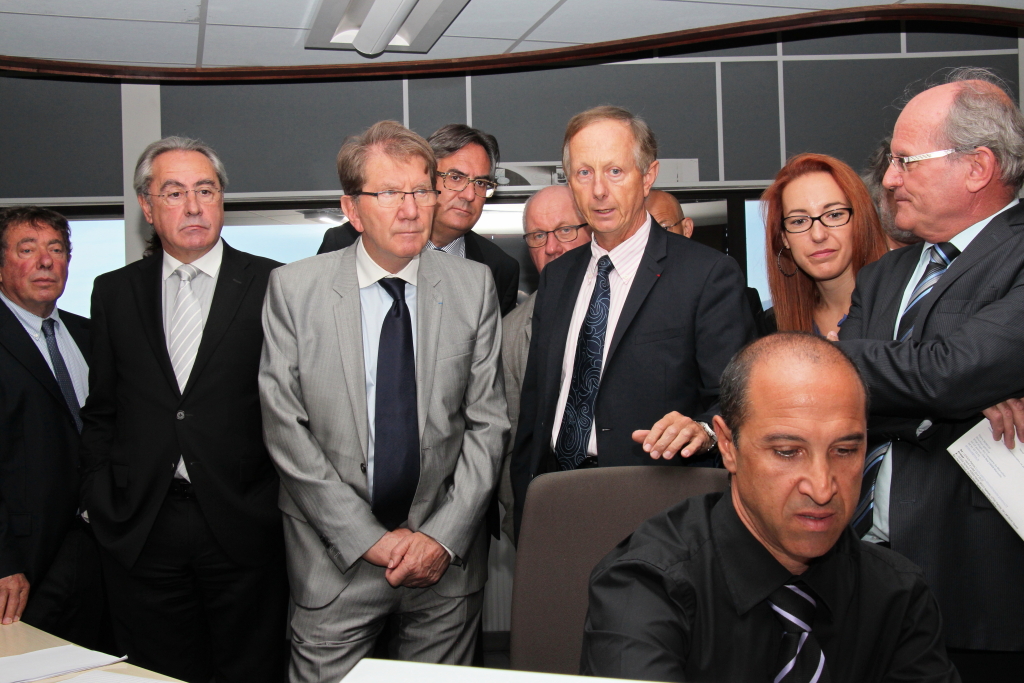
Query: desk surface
x: 389, y: 671
x: 19, y: 638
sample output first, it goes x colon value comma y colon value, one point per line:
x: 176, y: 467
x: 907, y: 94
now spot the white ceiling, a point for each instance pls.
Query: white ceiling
x: 173, y: 33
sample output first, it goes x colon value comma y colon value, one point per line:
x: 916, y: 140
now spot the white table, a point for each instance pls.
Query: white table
x: 388, y: 671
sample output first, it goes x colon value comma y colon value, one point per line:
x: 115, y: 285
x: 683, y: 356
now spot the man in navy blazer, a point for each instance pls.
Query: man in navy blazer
x: 675, y: 314
x: 49, y: 568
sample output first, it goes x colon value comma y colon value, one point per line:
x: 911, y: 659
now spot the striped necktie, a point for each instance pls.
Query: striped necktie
x: 800, y: 657
x: 186, y: 326
x: 939, y: 258
x: 862, y: 515
x: 60, y: 371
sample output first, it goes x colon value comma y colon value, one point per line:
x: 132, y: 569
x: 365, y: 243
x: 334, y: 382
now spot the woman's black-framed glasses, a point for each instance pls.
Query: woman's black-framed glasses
x: 833, y: 218
x: 389, y: 199
x: 456, y: 182
x: 566, y: 233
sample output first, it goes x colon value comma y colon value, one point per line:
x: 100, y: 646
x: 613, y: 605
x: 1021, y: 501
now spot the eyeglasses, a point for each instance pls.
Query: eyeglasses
x: 389, y: 199
x: 901, y: 163
x: 204, y: 195
x: 672, y: 225
x: 456, y: 182
x: 836, y: 218
x: 566, y: 233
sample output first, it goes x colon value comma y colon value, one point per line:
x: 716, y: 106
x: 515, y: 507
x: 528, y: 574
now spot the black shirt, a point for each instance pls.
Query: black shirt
x: 684, y: 599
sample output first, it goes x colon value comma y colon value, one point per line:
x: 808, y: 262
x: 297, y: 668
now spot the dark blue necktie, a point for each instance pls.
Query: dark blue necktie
x: 578, y: 418
x: 800, y: 657
x: 396, y: 447
x: 940, y: 257
x: 60, y: 371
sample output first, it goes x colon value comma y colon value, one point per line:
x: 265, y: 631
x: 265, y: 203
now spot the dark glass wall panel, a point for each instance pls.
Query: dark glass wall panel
x: 528, y: 111
x: 434, y: 102
x: 279, y: 137
x: 947, y: 36
x: 750, y: 119
x: 59, y: 138
x: 844, y: 108
x: 877, y: 37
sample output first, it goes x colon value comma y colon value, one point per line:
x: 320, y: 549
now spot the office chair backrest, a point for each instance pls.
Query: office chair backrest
x: 570, y: 522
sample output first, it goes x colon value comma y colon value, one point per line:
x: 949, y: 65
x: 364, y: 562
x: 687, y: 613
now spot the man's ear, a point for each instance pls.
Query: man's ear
x: 687, y: 226
x: 651, y: 176
x: 147, y: 209
x: 726, y: 443
x: 982, y: 169
x: 348, y: 207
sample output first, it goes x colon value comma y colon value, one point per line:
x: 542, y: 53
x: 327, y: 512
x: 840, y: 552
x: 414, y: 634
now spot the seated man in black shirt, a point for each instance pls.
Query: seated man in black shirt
x: 766, y: 582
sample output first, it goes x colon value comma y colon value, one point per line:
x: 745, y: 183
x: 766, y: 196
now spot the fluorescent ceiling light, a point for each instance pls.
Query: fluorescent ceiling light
x: 376, y: 26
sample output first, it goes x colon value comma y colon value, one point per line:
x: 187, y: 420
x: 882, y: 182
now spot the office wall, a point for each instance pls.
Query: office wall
x: 739, y: 107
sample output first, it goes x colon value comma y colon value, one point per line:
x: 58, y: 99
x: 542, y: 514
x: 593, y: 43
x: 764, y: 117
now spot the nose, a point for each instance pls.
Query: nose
x: 468, y: 193
x: 819, y: 482
x: 892, y: 178
x: 818, y: 231
x: 408, y: 209
x: 192, y: 205
x: 552, y: 247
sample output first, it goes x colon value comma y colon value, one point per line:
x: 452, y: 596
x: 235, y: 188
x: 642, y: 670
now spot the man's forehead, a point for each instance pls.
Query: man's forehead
x: 605, y: 140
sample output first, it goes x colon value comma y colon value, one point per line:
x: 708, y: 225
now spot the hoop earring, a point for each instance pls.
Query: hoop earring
x: 778, y: 262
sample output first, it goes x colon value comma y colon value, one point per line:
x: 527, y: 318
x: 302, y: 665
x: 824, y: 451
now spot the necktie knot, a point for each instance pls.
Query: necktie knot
x: 395, y: 286
x: 794, y: 608
x: 604, y: 266
x: 48, y: 327
x: 944, y: 251
x: 186, y: 272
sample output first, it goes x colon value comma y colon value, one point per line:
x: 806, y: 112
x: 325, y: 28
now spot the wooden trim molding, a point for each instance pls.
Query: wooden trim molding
x: 621, y: 49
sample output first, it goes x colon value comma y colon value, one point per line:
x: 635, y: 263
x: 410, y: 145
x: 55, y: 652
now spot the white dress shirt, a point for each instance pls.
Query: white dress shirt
x: 626, y: 260
x: 203, y: 286
x: 457, y: 247
x: 69, y: 351
x: 879, y: 531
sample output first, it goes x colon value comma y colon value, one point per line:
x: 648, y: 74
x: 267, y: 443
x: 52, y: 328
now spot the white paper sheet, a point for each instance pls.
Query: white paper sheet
x: 996, y: 470
x: 392, y: 671
x: 53, y: 661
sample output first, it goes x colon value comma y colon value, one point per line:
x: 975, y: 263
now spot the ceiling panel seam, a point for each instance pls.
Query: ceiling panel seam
x: 201, y: 40
x: 74, y: 16
x: 535, y: 26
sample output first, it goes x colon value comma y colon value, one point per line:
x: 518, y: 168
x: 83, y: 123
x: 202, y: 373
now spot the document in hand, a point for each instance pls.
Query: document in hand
x: 52, y: 661
x: 995, y: 469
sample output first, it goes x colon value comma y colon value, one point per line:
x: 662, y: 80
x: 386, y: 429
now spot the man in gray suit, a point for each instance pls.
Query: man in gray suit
x: 385, y: 414
x: 552, y: 225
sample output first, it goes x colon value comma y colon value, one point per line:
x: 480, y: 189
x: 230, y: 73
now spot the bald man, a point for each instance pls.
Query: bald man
x: 552, y: 225
x: 938, y: 331
x: 668, y: 213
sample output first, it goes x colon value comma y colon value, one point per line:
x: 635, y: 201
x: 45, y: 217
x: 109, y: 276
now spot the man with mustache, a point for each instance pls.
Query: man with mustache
x: 766, y: 581
x: 179, y: 487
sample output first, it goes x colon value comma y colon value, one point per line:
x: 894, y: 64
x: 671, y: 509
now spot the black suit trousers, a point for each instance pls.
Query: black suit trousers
x: 186, y: 610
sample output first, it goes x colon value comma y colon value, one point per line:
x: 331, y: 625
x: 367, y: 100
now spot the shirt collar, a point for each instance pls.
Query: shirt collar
x: 368, y: 272
x: 752, y: 573
x: 208, y: 263
x: 30, y: 320
x: 625, y: 256
x: 965, y: 237
x: 457, y: 247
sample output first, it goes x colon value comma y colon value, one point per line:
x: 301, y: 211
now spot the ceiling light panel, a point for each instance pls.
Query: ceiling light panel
x: 375, y: 26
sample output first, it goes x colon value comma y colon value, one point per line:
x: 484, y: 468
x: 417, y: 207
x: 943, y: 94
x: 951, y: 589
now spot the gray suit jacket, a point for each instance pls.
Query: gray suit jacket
x: 313, y: 393
x: 515, y: 348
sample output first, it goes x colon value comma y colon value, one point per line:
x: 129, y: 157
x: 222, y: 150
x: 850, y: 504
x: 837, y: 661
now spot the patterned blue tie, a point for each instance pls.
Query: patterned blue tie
x: 578, y: 418
x: 939, y: 259
x: 60, y: 371
x: 800, y: 657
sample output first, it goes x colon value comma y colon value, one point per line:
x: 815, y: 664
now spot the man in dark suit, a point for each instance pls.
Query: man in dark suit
x: 938, y: 331
x: 630, y: 331
x: 49, y: 569
x: 466, y: 162
x: 180, y: 489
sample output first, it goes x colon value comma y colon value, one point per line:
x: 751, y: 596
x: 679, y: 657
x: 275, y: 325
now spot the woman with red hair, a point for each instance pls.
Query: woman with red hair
x: 822, y: 228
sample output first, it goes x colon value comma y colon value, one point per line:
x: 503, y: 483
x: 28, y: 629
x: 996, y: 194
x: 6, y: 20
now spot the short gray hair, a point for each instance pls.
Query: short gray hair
x: 986, y: 116
x: 174, y: 143
x: 645, y: 150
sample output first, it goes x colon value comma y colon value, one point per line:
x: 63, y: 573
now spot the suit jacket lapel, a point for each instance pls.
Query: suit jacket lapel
x: 891, y: 296
x: 647, y: 273
x: 429, y: 307
x: 566, y: 292
x: 473, y: 251
x: 148, y: 290
x: 994, y: 235
x: 233, y: 281
x: 348, y: 322
x: 15, y: 339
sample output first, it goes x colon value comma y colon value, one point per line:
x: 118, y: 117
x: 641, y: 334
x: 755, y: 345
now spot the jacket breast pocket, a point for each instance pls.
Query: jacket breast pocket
x: 657, y: 335
x: 455, y: 350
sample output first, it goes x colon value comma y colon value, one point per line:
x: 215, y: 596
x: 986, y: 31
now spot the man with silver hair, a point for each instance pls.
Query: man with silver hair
x: 180, y: 489
x: 938, y: 331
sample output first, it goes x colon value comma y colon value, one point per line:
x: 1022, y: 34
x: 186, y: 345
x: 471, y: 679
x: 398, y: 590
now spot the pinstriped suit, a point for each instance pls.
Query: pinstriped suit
x: 966, y: 353
x: 313, y: 392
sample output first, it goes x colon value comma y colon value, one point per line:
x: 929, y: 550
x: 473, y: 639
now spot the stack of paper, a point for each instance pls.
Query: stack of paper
x: 53, y: 661
x: 995, y: 469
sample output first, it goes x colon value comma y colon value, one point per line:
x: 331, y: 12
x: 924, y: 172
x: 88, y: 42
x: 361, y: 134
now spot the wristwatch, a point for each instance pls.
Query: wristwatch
x: 713, y: 440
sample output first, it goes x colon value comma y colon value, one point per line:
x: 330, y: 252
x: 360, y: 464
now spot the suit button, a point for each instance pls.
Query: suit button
x: 180, y: 415
x: 362, y: 467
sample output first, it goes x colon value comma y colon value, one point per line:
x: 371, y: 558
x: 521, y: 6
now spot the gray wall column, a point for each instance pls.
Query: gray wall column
x: 140, y: 125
